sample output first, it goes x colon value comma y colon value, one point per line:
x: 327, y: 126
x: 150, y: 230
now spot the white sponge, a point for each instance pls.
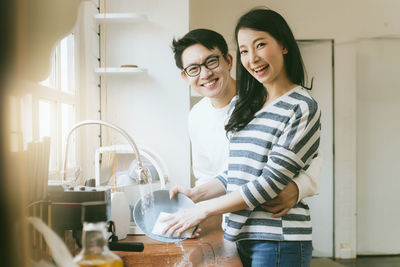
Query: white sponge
x: 160, y: 226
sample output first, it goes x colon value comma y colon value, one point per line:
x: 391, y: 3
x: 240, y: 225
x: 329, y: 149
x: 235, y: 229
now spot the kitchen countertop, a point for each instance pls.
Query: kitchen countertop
x: 210, y: 249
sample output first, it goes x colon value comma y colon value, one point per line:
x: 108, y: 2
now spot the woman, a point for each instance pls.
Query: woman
x: 274, y: 132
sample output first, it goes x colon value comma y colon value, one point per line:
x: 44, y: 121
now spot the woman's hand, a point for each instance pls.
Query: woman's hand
x: 196, y: 234
x: 183, y: 220
x: 180, y: 189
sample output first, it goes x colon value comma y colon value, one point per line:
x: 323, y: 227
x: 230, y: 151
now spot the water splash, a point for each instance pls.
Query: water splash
x: 168, y: 260
x: 146, y: 195
x: 185, y: 262
x: 131, y: 209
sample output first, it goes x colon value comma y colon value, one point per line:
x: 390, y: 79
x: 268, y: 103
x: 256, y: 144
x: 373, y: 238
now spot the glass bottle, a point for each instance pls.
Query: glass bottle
x: 95, y: 252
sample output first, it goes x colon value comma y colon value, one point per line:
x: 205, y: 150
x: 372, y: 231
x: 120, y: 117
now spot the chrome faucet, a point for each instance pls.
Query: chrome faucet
x: 142, y: 172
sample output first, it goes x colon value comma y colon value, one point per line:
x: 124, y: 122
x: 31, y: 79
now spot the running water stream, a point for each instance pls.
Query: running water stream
x: 146, y: 189
x: 146, y: 195
x: 185, y: 262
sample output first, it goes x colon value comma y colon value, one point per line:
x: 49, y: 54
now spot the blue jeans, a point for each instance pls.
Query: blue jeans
x: 264, y: 253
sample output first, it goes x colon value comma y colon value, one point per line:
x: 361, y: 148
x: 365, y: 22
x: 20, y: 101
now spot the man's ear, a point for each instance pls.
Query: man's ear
x: 229, y: 58
x: 183, y: 75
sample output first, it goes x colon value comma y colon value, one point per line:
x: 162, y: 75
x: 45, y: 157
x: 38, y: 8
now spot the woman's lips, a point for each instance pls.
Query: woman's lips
x: 260, y: 71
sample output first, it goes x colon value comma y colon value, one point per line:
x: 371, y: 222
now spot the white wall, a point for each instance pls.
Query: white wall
x: 89, y: 94
x: 151, y: 107
x: 345, y: 22
x: 378, y: 145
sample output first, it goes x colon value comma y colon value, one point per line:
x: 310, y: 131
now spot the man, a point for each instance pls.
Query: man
x: 203, y: 57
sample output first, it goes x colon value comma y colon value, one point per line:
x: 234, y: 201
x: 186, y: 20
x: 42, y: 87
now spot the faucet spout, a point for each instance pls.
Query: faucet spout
x: 142, y: 177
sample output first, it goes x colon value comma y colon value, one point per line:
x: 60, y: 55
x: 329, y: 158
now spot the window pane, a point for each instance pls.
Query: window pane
x: 67, y: 64
x: 67, y: 121
x: 27, y: 120
x: 14, y: 144
x: 48, y: 127
x: 50, y: 81
x: 13, y: 114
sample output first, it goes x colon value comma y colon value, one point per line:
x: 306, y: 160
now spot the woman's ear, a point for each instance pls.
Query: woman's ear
x: 284, y: 51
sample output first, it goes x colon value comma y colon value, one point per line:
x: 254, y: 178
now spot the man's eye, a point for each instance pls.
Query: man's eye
x: 212, y: 62
x: 192, y: 69
x: 242, y: 52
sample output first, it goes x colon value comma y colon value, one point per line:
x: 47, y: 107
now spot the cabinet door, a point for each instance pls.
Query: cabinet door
x: 378, y: 145
x: 317, y: 56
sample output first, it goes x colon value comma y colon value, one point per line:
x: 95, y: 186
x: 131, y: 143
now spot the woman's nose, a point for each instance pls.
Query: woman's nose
x: 253, y: 57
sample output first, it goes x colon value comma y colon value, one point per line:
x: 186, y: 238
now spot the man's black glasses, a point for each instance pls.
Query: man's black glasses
x: 210, y: 63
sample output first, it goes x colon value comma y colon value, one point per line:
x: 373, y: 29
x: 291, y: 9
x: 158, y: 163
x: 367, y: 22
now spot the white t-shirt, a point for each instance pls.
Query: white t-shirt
x: 209, y: 141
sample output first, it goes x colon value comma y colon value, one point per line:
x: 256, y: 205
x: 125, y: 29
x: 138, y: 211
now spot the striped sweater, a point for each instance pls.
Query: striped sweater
x: 264, y: 156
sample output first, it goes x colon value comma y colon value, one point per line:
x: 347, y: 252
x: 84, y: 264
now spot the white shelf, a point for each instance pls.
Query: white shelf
x: 122, y: 71
x: 119, y: 18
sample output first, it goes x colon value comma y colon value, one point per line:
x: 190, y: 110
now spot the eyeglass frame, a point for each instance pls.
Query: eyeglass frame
x: 202, y: 64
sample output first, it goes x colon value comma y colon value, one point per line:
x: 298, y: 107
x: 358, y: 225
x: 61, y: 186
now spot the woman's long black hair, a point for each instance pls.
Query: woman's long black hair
x: 251, y: 93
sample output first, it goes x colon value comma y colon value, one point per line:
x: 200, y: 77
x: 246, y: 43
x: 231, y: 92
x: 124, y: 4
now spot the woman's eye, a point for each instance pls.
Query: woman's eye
x: 242, y: 52
x: 259, y: 45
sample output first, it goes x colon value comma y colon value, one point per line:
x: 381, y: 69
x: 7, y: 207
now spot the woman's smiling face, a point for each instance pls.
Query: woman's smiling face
x: 262, y: 56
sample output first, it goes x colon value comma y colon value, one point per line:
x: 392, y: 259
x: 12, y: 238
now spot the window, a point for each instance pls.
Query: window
x: 49, y: 108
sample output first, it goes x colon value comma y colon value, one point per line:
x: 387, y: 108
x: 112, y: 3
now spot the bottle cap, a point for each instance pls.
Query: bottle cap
x: 94, y: 211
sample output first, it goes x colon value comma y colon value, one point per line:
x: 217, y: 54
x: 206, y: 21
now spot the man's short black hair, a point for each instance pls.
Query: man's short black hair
x: 208, y: 38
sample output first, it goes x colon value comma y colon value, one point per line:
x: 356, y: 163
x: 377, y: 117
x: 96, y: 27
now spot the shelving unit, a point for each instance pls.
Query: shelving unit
x: 120, y: 71
x: 119, y: 18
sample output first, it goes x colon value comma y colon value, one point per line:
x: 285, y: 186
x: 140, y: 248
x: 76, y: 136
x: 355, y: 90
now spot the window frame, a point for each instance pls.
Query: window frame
x: 35, y: 92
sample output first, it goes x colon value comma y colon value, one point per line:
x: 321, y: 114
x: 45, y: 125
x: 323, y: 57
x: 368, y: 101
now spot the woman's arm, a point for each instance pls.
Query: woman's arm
x: 184, y: 219
x: 212, y: 189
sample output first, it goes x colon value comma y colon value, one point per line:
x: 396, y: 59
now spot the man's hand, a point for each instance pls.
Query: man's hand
x: 283, y: 202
